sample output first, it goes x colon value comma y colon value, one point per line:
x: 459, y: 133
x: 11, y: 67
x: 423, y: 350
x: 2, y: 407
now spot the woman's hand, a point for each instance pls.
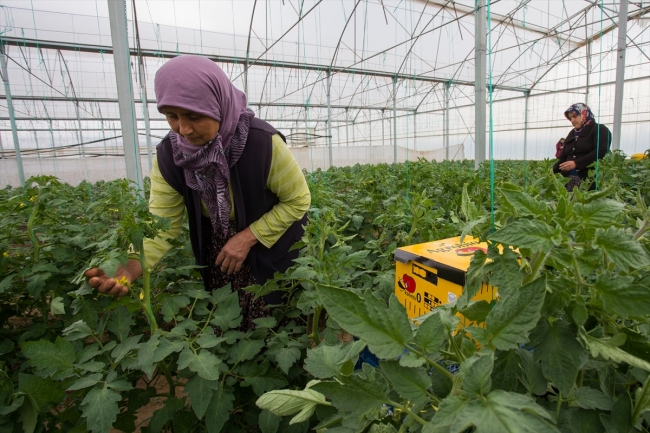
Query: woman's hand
x: 118, y: 285
x: 567, y: 166
x: 232, y: 255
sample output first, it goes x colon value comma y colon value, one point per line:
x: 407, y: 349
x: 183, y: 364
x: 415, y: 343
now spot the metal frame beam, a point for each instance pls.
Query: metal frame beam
x: 10, y: 107
x: 97, y: 49
x: 121, y: 57
x: 480, y: 69
x: 620, y: 75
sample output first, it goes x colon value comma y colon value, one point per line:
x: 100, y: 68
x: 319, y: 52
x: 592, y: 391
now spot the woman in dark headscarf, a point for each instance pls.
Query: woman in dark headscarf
x: 245, y: 194
x: 585, y: 143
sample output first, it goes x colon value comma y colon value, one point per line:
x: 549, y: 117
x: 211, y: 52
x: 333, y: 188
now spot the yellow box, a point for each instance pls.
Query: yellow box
x: 433, y: 273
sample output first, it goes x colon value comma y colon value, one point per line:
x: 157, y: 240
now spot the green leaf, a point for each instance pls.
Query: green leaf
x: 504, y: 270
x: 120, y: 322
x: 219, y: 409
x: 620, y: 420
x: 203, y: 363
x: 265, y: 322
x: 522, y: 203
x: 512, y: 318
x: 324, y: 362
x: 477, y: 311
x: 561, y: 354
x: 599, y: 213
x: 641, y: 402
x: 56, y: 306
x: 531, y: 373
x: 100, y: 409
x: 601, y: 347
x: 430, y: 334
x: 45, y: 392
x: 123, y: 349
x: 77, y: 331
x: 208, y: 340
x: 50, y: 358
x: 499, y: 412
x: 146, y: 353
x: 526, y: 233
x: 269, y: 422
x: 245, y: 350
x: 621, y: 248
x: 286, y: 357
x: 286, y: 402
x: 228, y: 313
x: 411, y: 383
x: 474, y: 278
x: 36, y: 283
x: 585, y: 421
x: 28, y: 414
x: 590, y: 398
x: 200, y: 391
x: 621, y: 296
x: 117, y: 383
x: 165, y: 414
x: 355, y: 393
x: 171, y: 305
x: 165, y: 348
x: 262, y: 378
x: 386, y: 330
x: 477, y: 373
x: 85, y: 382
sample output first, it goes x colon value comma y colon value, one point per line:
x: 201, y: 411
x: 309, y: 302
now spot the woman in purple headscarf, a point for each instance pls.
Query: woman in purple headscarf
x: 587, y: 142
x: 244, y: 193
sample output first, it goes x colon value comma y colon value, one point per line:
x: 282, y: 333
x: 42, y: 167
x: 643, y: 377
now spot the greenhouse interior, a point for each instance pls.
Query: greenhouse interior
x: 354, y: 172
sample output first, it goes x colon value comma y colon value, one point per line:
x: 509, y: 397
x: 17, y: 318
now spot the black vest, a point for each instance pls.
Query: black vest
x: 251, y: 197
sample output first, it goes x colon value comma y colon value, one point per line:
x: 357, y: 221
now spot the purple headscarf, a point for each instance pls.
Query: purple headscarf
x: 582, y: 110
x: 197, y: 84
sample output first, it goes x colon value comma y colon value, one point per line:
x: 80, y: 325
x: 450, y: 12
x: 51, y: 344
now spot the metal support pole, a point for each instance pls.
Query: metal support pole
x: 370, y: 127
x: 446, y: 119
x: 588, y: 72
x: 480, y: 62
x: 143, y: 91
x: 395, y: 120
x: 12, y: 115
x: 383, y: 135
x: 526, y: 126
x: 329, y: 113
x: 415, y: 130
x: 347, y: 137
x: 620, y: 75
x: 122, y: 60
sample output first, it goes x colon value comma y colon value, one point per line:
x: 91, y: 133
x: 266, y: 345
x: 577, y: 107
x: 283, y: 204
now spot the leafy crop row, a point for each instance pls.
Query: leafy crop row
x: 564, y: 349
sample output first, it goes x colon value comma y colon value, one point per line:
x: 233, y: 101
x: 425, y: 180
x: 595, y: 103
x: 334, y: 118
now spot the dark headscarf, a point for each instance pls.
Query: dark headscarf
x: 197, y: 84
x: 582, y: 110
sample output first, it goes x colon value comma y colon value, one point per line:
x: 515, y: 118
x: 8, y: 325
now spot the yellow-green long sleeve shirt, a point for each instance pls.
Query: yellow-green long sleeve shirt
x: 285, y: 180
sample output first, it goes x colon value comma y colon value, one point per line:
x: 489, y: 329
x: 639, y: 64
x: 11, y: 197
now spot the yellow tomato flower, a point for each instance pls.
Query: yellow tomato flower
x: 141, y: 296
x: 32, y: 198
x: 5, y: 254
x: 124, y: 281
x: 22, y: 205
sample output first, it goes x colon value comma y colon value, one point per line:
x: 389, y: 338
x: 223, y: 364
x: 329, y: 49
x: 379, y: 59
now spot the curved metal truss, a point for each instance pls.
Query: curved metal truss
x: 319, y: 69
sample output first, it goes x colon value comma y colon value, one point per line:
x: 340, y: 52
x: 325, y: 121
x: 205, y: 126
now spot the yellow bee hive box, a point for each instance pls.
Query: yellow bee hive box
x: 433, y: 273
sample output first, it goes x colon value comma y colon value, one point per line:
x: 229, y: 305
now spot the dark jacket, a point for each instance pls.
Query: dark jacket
x: 251, y: 197
x: 594, y: 138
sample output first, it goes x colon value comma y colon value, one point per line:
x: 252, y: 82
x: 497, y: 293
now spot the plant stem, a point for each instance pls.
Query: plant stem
x: 576, y: 270
x: 408, y: 411
x: 146, y: 290
x: 558, y: 406
x: 314, y: 325
x: 459, y: 354
x: 538, y: 261
x: 168, y: 376
x: 30, y: 230
x: 581, y: 375
x: 434, y: 364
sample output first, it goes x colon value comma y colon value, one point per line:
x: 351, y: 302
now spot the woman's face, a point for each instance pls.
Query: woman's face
x: 196, y: 128
x: 576, y: 120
